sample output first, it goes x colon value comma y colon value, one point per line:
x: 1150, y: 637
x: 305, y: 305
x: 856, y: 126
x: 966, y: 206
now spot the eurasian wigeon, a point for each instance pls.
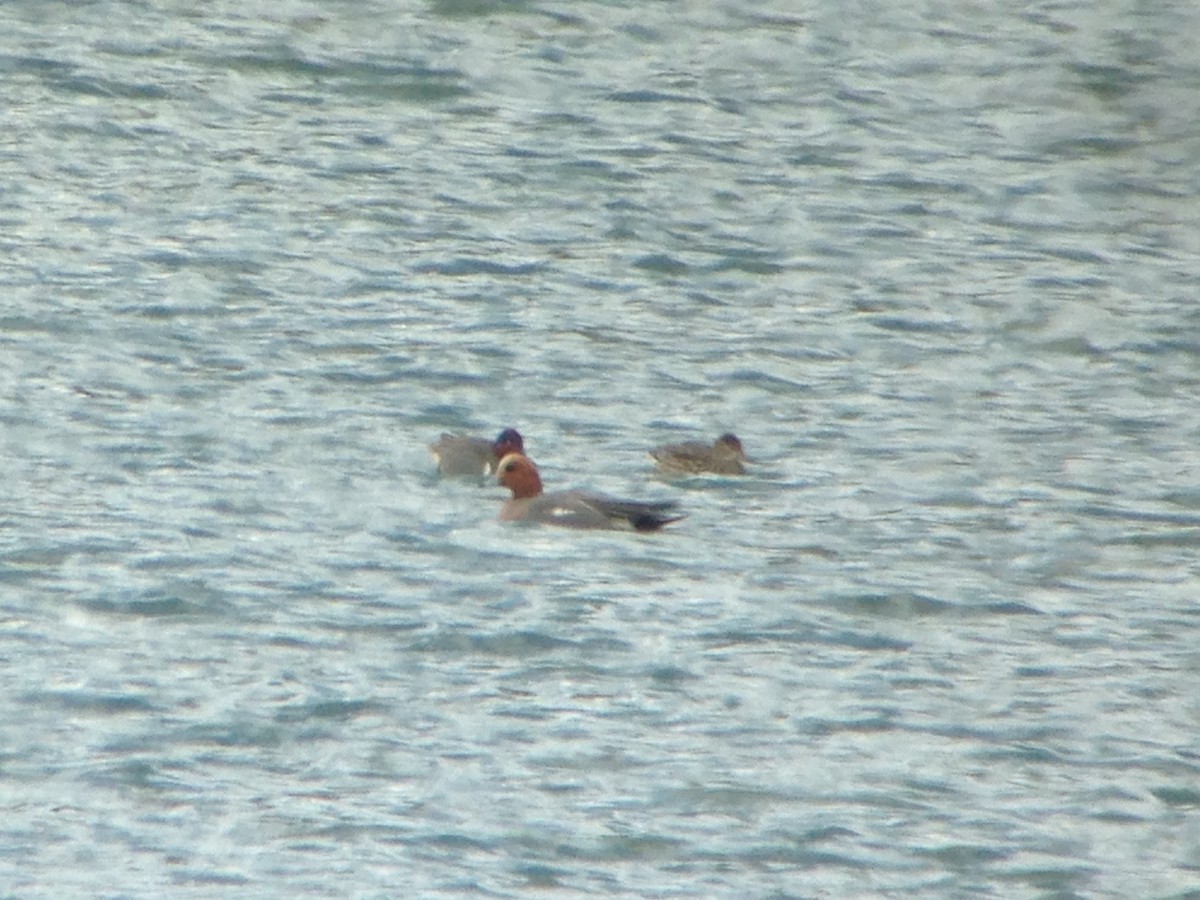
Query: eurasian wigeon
x: 458, y: 454
x: 723, y: 457
x: 574, y: 509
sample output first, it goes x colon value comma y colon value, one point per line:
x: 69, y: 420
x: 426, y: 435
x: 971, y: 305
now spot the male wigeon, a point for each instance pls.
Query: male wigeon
x: 574, y: 509
x: 458, y: 454
x: 724, y: 456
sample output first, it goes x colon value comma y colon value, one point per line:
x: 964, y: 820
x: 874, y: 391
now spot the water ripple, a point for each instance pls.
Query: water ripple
x: 934, y: 267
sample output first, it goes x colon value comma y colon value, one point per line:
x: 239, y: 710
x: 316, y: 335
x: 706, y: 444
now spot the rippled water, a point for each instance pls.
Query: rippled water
x: 936, y: 265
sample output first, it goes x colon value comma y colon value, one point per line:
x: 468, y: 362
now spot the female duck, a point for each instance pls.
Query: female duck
x: 723, y: 457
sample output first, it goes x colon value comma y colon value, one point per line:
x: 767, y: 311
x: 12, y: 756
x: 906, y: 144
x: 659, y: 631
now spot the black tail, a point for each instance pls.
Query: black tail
x: 649, y: 521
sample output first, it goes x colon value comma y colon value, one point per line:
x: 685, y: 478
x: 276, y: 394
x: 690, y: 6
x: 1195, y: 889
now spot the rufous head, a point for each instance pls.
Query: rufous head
x: 508, y: 441
x: 518, y: 473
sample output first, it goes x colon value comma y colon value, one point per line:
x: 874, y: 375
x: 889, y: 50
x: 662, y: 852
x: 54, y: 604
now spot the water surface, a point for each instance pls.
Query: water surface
x: 935, y: 266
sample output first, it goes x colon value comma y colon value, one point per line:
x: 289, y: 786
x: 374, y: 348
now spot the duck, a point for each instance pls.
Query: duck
x: 573, y: 509
x: 459, y: 455
x: 724, y: 456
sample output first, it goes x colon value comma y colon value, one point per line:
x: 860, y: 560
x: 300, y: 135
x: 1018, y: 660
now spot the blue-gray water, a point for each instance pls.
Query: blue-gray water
x: 937, y: 264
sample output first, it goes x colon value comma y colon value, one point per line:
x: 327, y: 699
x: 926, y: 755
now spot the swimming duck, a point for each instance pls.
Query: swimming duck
x: 458, y: 454
x: 724, y: 456
x: 573, y: 509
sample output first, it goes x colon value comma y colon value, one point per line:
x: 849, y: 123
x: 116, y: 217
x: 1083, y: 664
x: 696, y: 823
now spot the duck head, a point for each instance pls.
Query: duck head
x: 508, y: 441
x: 729, y: 444
x: 518, y: 473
